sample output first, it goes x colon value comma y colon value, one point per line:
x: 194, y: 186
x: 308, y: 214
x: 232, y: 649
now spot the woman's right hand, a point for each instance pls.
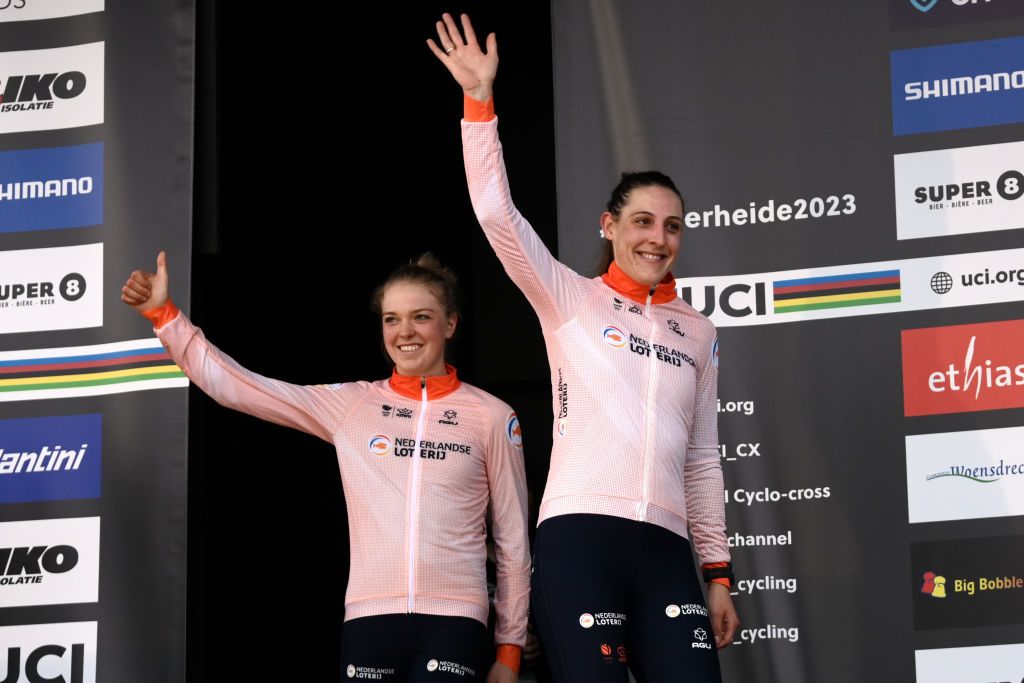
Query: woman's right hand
x: 470, y: 66
x: 144, y: 291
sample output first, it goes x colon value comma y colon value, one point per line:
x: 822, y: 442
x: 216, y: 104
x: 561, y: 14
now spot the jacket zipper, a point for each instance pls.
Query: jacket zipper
x: 414, y: 494
x: 649, y: 418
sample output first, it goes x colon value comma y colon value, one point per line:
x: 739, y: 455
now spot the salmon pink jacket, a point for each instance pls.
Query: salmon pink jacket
x: 423, y: 461
x: 634, y: 374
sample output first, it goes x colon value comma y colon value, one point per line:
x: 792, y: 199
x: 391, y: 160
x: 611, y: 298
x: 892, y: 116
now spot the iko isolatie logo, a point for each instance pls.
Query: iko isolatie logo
x: 49, y: 562
x: 50, y: 89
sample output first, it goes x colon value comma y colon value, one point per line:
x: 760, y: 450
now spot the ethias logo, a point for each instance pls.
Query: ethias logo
x: 963, y: 368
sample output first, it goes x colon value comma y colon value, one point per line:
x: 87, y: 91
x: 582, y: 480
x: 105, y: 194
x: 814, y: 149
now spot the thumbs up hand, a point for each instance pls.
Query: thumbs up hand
x: 143, y: 290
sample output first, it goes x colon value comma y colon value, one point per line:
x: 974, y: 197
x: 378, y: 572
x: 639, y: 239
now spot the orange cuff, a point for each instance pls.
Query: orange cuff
x: 476, y: 111
x: 509, y: 656
x: 161, y: 315
x: 724, y: 582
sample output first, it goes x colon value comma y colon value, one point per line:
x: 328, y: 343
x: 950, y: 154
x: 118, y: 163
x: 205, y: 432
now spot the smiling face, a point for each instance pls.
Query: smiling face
x: 415, y: 328
x: 645, y: 234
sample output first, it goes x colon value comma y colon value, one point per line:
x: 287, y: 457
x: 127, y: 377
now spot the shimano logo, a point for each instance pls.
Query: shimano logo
x: 963, y: 85
x: 41, y: 189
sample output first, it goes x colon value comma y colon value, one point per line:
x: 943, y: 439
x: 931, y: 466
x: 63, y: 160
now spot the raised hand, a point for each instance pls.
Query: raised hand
x: 144, y: 291
x: 473, y: 68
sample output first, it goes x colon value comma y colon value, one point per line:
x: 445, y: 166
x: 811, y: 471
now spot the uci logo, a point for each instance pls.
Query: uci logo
x: 380, y: 445
x: 737, y: 300
x: 614, y: 337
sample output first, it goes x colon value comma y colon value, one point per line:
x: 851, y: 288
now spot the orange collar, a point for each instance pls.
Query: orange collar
x: 437, y: 386
x: 617, y: 279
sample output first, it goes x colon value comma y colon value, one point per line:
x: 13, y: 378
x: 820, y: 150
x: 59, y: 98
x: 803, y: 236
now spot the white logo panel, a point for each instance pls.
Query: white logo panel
x: 49, y: 652
x: 960, y: 664
x: 955, y: 280
x: 49, y: 562
x: 51, y: 289
x: 51, y: 89
x: 958, y: 191
x: 26, y: 10
x: 965, y: 475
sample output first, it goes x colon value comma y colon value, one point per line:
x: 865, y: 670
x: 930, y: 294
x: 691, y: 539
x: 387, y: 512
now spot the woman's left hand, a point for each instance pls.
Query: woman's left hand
x: 500, y: 673
x: 724, y: 620
x: 473, y: 68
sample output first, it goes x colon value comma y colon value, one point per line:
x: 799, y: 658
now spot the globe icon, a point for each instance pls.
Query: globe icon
x: 942, y: 282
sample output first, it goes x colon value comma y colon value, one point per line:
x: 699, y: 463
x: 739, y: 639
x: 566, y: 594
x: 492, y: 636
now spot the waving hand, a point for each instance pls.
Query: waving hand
x: 473, y: 68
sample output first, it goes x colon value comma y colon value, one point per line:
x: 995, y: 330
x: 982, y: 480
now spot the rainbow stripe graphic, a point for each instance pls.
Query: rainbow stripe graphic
x: 87, y: 370
x: 837, y: 291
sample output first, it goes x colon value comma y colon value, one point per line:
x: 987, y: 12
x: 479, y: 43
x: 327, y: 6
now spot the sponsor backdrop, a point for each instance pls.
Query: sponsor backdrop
x: 95, y: 177
x: 854, y: 176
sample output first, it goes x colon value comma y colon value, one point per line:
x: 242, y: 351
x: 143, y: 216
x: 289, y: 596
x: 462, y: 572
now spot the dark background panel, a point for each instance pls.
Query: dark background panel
x: 777, y: 102
x: 328, y: 154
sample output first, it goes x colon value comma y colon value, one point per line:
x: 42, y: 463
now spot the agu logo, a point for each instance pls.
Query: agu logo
x: 614, y: 337
x: 514, y: 431
x: 380, y: 445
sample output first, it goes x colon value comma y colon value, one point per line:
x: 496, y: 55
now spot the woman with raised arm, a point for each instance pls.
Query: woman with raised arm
x: 423, y: 458
x: 635, y: 473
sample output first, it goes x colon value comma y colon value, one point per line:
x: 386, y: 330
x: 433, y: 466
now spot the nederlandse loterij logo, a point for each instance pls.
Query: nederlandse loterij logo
x: 963, y: 368
x: 380, y: 444
x: 514, y: 431
x: 614, y: 337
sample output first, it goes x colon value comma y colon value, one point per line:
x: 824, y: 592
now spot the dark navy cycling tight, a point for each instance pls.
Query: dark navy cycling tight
x: 610, y: 593
x: 399, y: 648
